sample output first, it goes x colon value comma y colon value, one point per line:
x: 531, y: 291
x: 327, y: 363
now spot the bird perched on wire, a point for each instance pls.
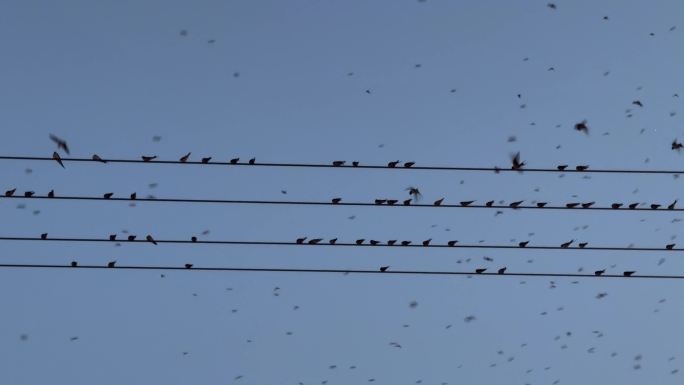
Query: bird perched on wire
x: 515, y: 204
x: 427, y: 242
x: 98, y: 159
x: 57, y: 158
x: 188, y: 265
x: 234, y: 160
x: 29, y: 194
x: 252, y: 161
x: 407, y: 202
x: 516, y: 163
x: 112, y: 237
x: 581, y: 168
x: 405, y: 243
x: 360, y: 241
x: 466, y: 203
x: 150, y: 239
x: 300, y: 240
x: 438, y: 202
x: 51, y: 194
x: 111, y: 264
x: 206, y: 160
x: 184, y: 158
x: 414, y: 192
x: 599, y: 272
x: 336, y: 200
x: 582, y: 127
x: 391, y: 242
x: 393, y: 164
x: 541, y: 204
x: 392, y: 202
x: 587, y: 205
x: 523, y: 244
x: 572, y: 205
x: 501, y: 271
x: 670, y: 246
x: 616, y: 206
x: 452, y: 243
x: 489, y: 203
x: 628, y: 273
x: 74, y: 264
x: 315, y: 241
x: 338, y: 163
x: 11, y: 192
x: 567, y: 244
x: 671, y: 206
x: 480, y: 271
x: 384, y: 268
x: 409, y: 164
x: 43, y: 236
x: 562, y: 167
x: 148, y: 158
x: 332, y: 241
x: 61, y: 143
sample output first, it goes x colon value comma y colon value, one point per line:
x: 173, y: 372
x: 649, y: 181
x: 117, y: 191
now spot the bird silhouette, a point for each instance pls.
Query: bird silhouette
x: 582, y: 127
x: 184, y: 158
x: 384, y: 268
x: 523, y: 244
x: 541, y: 204
x: 338, y: 163
x: 131, y: 238
x: 252, y: 161
x: 567, y: 244
x: 587, y: 205
x: 583, y: 244
x: 150, y: 239
x: 206, y: 160
x: 515, y: 204
x: 393, y: 164
x: 405, y: 243
x: 581, y: 168
x: 638, y: 103
x: 516, y: 164
x: 452, y: 243
x: 438, y: 202
x: 414, y: 192
x: 571, y: 205
x: 427, y: 242
x: 112, y: 237
x: 380, y: 201
x: 360, y: 241
x: 57, y: 158
x: 616, y: 205
x: 373, y: 242
x: 148, y: 158
x: 599, y: 272
x: 676, y: 145
x: 51, y: 194
x: 466, y: 203
x: 315, y: 241
x: 480, y: 271
x: 654, y: 206
x: 562, y: 167
x: 501, y: 271
x: 98, y: 159
x: 193, y: 239
x: 407, y: 202
x: 392, y: 202
x: 632, y: 206
x: 628, y: 273
x: 336, y: 200
x: 61, y: 144
x: 489, y: 204
x: 391, y: 242
x: 552, y: 6
x: 108, y: 195
x: 670, y: 246
x: 11, y: 192
x: 671, y: 206
x: 134, y: 196
x: 409, y: 164
x: 188, y: 265
x: 301, y: 240
x: 355, y: 163
x: 234, y: 160
x: 29, y: 194
x: 332, y: 241
x: 111, y: 264
x: 74, y: 264
x: 43, y: 236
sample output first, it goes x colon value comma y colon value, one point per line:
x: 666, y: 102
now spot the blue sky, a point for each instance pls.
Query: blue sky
x: 108, y: 76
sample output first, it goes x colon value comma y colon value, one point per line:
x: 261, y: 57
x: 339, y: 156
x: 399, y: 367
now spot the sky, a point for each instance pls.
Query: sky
x: 460, y: 83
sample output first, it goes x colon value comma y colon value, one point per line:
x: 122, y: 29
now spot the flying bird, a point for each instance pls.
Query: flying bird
x: 150, y: 239
x: 98, y: 159
x: 551, y: 5
x: 148, y: 158
x: 676, y: 145
x: 414, y: 192
x: 57, y: 158
x: 61, y: 144
x: 516, y: 164
x: 582, y: 127
x: 638, y: 103
x: 184, y: 158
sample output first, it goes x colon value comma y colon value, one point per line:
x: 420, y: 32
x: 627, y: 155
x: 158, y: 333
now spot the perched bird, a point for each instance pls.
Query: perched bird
x: 301, y: 240
x: 380, y: 201
x: 206, y: 160
x: 581, y: 168
x: 338, y: 163
x: 51, y: 194
x: 480, y: 271
x: 427, y: 242
x: 414, y: 192
x: 670, y: 246
x: 11, y: 192
x: 567, y: 244
x: 409, y: 164
x: 392, y: 202
x: 74, y: 264
x: 43, y: 236
x: 150, y: 239
x: 98, y: 159
x: 438, y: 202
x: 654, y: 206
x: 523, y: 244
x: 131, y: 238
x: 632, y: 206
x: 111, y: 264
x: 29, y: 194
x: 676, y: 145
x: 571, y: 205
x: 185, y: 158
x: 252, y: 161
x: 582, y: 127
x: 587, y: 205
x: 57, y: 158
x: 501, y: 270
x: 515, y: 204
x: 583, y: 244
x: 638, y: 103
x: 628, y: 273
x: 407, y: 202
x: 108, y: 195
x: 112, y: 237
x: 489, y: 204
x: 599, y: 272
x: 393, y: 164
x: 234, y: 160
x: 541, y: 204
x: 562, y: 167
x: 148, y: 158
x: 61, y: 144
x: 336, y: 200
x: 355, y: 163
x: 315, y: 241
x: 384, y: 268
x: 373, y: 242
x: 405, y: 243
x: 671, y: 206
x: 466, y: 203
x: 452, y: 243
x: 360, y: 241
x: 332, y: 241
x: 516, y: 164
x: 391, y: 242
x: 134, y: 196
x: 188, y: 265
x: 616, y: 205
x: 193, y: 239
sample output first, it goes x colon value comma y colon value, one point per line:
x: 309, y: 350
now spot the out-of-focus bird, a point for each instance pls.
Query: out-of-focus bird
x: 43, y: 236
x: 516, y: 163
x: 57, y: 158
x: 501, y: 270
x: 360, y: 241
x: 562, y: 167
x: 599, y: 272
x: 188, y: 265
x: 638, y: 103
x: 552, y: 6
x: 438, y: 202
x: 676, y: 145
x: 61, y: 144
x: 582, y: 127
x: 150, y: 239
x: 393, y: 164
x: 111, y: 264
x: 148, y: 158
x: 480, y: 271
x: 567, y: 244
x: 98, y: 159
x: 338, y: 163
x: 523, y: 244
x: 185, y: 158
x: 384, y: 268
x: 489, y: 203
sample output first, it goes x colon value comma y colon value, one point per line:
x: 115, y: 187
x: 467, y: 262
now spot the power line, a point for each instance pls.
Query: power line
x: 349, y: 166
x: 365, y: 243
x: 576, y: 206
x: 342, y: 271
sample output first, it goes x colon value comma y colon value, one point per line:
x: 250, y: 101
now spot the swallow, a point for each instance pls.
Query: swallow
x: 567, y: 244
x: 43, y: 236
x: 29, y: 194
x: 206, y: 160
x: 112, y: 237
x: 523, y: 244
x: 628, y: 273
x: 671, y: 206
x: 374, y: 242
x: 131, y: 238
x: 148, y: 158
x: 336, y: 200
x: 332, y: 241
x: 414, y: 192
x: 427, y: 242
x: 654, y: 206
x: 452, y: 243
x: 380, y: 201
x: 11, y: 192
x: 582, y: 127
x: 234, y: 160
x: 188, y: 265
x: 57, y: 158
x: 74, y: 264
x: 489, y: 204
x: 670, y: 246
x: 516, y: 204
x: 616, y: 206
x: 252, y: 161
x: 562, y: 167
x: 108, y: 195
x: 541, y: 204
x: 384, y: 268
x: 391, y: 242
x: 516, y: 164
x: 134, y: 196
x: 587, y: 205
x: 676, y: 145
x: 193, y: 239
x: 571, y: 205
x: 405, y: 243
x: 184, y: 158
x: 407, y: 202
x: 466, y: 203
x: 355, y: 163
x: 392, y: 202
x: 393, y: 164
x: 51, y: 194
x: 315, y: 241
x: 501, y: 271
x: 583, y: 245
x: 98, y: 159
x: 150, y: 239
x: 360, y: 241
x: 581, y: 168
x: 438, y: 202
x: 480, y: 271
x: 638, y: 103
x: 301, y: 240
x: 61, y: 144
x: 599, y: 272
x: 632, y: 206
x: 111, y: 264
x: 338, y: 163
x: 409, y: 164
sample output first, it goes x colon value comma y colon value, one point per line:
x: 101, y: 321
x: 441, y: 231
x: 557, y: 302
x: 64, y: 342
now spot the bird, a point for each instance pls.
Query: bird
x: 360, y: 241
x: 551, y: 5
x: 515, y: 204
x: 380, y: 201
x: 98, y: 159
x: 583, y: 244
x: 301, y: 240
x: 355, y: 163
x: 562, y: 167
x: 338, y: 163
x: 134, y: 196
x: 582, y: 127
x: 587, y: 205
x: 466, y: 203
x: 427, y: 242
x: 57, y: 158
x: 628, y: 273
x: 541, y: 204
x: 391, y: 242
x: 234, y: 160
x: 414, y: 192
x: 616, y: 205
x: 184, y: 158
x: 516, y: 164
x: 108, y: 195
x: 74, y: 264
x: 654, y: 206
x: 581, y: 168
x: 392, y: 202
x: 632, y: 206
x: 252, y: 161
x: 567, y: 244
x: 638, y: 103
x: 188, y: 265
x: 332, y: 241
x: 571, y: 205
x: 599, y: 272
x: 409, y: 164
x: 670, y: 246
x: 206, y: 160
x: 61, y: 144
x: 336, y: 200
x: 489, y: 204
x: 501, y: 270
x: 480, y: 271
x: 29, y: 194
x: 11, y: 192
x: 523, y: 244
x: 111, y: 264
x: 148, y: 158
x: 51, y: 194
x: 193, y: 239
x: 43, y: 236
x: 452, y: 243
x: 676, y: 145
x: 150, y: 239
x: 438, y: 202
x: 131, y: 238
x: 393, y: 164
x: 407, y: 202
x: 671, y: 206
x: 112, y: 237
x: 373, y: 242
x: 405, y: 243
x: 315, y: 241
x: 384, y: 268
